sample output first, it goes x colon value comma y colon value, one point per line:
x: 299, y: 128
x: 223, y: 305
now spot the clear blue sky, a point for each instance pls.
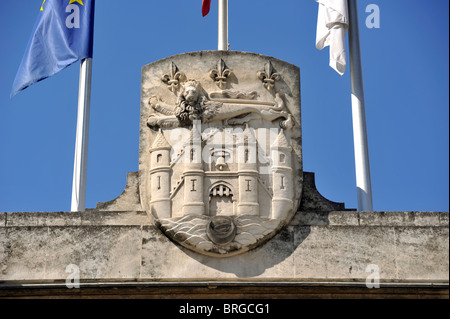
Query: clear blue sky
x: 406, y: 80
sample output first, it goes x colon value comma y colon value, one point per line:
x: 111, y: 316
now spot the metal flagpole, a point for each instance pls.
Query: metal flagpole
x: 363, y: 183
x: 223, y: 25
x: 82, y: 135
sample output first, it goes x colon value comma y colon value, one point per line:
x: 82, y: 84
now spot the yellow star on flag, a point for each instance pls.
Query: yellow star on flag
x: 79, y: 1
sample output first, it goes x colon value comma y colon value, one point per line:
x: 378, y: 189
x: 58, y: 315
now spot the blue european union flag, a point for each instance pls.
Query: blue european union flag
x: 62, y: 35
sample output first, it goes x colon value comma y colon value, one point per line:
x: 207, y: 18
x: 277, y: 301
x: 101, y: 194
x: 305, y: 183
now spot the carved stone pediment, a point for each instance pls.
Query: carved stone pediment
x: 221, y: 169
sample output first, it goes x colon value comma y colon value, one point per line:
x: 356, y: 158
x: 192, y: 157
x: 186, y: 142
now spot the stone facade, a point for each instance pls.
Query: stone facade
x: 316, y: 246
x: 110, y: 244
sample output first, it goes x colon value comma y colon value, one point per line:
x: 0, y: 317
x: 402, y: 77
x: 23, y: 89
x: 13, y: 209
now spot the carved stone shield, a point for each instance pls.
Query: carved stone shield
x: 220, y: 159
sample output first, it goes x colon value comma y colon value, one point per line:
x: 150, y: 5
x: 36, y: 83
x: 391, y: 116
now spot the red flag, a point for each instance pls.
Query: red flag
x: 205, y: 7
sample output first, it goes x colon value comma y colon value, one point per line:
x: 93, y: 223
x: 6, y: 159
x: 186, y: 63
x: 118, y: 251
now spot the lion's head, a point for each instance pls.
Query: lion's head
x: 190, y: 103
x: 191, y: 92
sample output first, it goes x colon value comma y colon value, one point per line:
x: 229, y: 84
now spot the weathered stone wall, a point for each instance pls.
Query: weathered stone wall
x: 315, y: 246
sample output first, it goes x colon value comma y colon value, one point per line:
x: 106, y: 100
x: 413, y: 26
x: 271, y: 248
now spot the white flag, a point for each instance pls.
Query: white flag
x: 332, y: 25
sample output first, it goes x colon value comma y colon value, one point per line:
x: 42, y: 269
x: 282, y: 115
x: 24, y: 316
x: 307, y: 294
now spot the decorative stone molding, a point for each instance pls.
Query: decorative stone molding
x: 220, y: 74
x: 269, y: 76
x: 173, y: 78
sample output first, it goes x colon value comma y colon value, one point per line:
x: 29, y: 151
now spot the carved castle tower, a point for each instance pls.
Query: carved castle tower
x: 194, y: 174
x: 248, y: 174
x: 160, y: 175
x: 282, y: 179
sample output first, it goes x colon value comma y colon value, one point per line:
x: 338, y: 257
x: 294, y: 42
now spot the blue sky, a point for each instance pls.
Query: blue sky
x: 406, y: 79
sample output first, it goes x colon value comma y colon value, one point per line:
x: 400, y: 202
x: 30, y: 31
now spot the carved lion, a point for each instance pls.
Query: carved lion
x: 193, y: 104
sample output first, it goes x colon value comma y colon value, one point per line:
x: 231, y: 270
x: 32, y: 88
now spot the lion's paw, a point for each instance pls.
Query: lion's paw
x: 153, y: 101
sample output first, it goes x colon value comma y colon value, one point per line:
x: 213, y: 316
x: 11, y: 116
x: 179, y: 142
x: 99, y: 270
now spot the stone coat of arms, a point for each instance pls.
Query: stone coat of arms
x: 220, y: 160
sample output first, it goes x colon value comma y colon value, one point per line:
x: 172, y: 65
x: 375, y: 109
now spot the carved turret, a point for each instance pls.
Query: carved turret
x: 193, y: 174
x: 160, y: 176
x: 282, y: 180
x: 248, y: 174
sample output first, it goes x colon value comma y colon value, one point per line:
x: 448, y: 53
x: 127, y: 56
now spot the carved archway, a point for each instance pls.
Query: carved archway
x: 221, y: 201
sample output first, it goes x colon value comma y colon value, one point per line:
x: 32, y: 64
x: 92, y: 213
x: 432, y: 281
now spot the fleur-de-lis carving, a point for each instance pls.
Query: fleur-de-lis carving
x: 268, y: 76
x: 220, y: 74
x: 173, y: 78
